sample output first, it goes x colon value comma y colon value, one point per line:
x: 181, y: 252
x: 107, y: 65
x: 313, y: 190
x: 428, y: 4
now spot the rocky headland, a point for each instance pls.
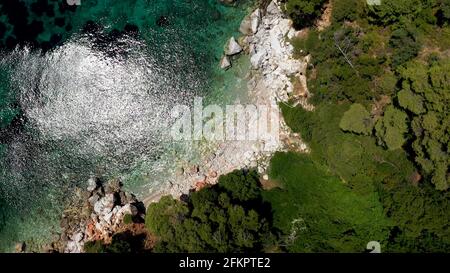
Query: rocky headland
x: 95, y: 213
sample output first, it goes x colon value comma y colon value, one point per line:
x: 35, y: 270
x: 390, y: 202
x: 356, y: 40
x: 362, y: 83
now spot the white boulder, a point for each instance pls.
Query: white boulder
x: 233, y: 47
x: 225, y: 63
x: 77, y: 237
x: 107, y: 217
x: 108, y: 201
x: 92, y: 184
x: 98, y: 207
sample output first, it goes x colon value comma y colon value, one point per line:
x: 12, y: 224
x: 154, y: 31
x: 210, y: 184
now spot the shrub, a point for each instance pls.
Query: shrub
x: 357, y: 120
x: 421, y: 218
x: 128, y: 219
x: 227, y: 217
x: 394, y: 11
x: 347, y: 10
x: 304, y: 12
x: 124, y: 242
x: 299, y: 120
x: 119, y: 244
x: 443, y: 14
x: 405, y: 46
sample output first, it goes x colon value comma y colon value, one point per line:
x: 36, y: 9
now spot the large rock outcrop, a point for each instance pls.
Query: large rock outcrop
x: 272, y: 57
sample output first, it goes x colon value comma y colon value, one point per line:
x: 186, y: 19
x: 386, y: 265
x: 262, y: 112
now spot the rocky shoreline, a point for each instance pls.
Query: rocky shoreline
x: 275, y: 76
x: 97, y: 212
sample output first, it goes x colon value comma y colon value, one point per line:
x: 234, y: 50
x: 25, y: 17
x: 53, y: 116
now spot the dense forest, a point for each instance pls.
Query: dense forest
x: 379, y: 137
x: 380, y: 81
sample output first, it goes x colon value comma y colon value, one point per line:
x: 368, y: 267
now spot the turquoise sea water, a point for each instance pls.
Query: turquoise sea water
x: 89, y: 93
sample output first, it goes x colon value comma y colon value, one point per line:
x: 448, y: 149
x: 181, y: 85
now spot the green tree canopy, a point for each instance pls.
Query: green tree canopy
x: 391, y: 128
x: 304, y: 12
x: 421, y: 215
x: 227, y: 217
x: 426, y: 94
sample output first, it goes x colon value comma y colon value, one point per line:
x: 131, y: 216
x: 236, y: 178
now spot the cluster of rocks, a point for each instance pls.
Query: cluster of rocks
x: 231, y: 49
x: 96, y: 214
x: 266, y: 38
x: 267, y: 41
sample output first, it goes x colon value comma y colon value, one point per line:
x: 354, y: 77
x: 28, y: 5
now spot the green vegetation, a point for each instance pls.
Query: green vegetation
x: 379, y: 134
x: 421, y: 216
x: 379, y: 137
x: 443, y: 14
x: 117, y: 246
x: 128, y: 219
x: 391, y: 128
x: 227, y: 217
x: 426, y: 96
x: 94, y: 247
x: 357, y: 120
x: 402, y: 11
x: 345, y: 72
x: 7, y: 109
x: 124, y: 242
x: 348, y: 10
x: 404, y: 45
x: 317, y: 212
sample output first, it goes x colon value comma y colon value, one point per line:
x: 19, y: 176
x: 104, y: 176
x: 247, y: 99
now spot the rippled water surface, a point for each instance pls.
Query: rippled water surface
x: 98, y: 100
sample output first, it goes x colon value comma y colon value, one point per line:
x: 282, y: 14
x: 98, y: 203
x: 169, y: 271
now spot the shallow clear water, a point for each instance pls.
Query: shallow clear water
x: 99, y: 102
